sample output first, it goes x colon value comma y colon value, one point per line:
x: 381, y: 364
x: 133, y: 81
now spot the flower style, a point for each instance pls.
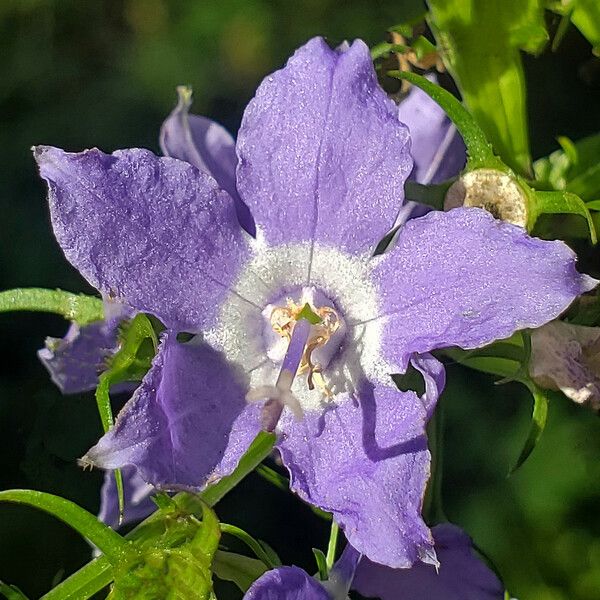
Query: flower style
x: 566, y: 357
x: 460, y: 576
x: 301, y: 320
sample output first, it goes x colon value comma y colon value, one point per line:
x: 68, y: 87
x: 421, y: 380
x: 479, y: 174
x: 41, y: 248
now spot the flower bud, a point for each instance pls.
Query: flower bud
x: 497, y: 192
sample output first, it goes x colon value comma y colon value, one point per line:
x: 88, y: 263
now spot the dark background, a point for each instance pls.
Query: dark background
x: 79, y: 73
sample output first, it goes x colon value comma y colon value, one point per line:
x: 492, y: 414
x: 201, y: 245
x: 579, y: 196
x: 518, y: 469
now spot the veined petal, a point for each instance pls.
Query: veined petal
x: 206, y: 145
x: 187, y: 424
x: 286, y: 583
x: 154, y: 233
x: 323, y: 156
x: 461, y: 574
x: 462, y: 278
x: 366, y: 461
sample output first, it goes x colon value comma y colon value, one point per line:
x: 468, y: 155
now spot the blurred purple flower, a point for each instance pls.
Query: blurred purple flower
x: 321, y: 164
x: 461, y: 575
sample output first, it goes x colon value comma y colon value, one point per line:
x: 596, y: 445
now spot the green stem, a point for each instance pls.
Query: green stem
x: 332, y: 546
x: 98, y: 573
x: 75, y: 307
x: 249, y: 541
x: 107, y: 540
x: 479, y: 150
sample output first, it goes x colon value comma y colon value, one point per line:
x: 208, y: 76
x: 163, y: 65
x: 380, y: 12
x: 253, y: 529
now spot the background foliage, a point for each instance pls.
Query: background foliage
x: 82, y: 73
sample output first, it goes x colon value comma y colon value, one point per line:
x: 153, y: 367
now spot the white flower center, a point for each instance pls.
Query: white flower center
x: 330, y: 280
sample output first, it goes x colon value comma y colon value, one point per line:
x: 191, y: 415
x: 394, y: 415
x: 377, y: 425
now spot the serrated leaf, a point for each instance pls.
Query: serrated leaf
x: 479, y: 42
x: 237, y: 568
x: 537, y: 425
x: 78, y: 308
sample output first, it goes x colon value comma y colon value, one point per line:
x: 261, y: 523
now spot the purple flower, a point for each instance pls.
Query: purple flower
x: 566, y: 357
x: 322, y: 161
x: 75, y: 361
x: 437, y: 148
x: 461, y: 575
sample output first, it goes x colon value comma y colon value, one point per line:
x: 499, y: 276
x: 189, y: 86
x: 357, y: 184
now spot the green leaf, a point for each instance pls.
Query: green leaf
x: 575, y: 168
x: 321, y: 561
x: 79, y: 308
x: 432, y: 194
x: 479, y: 41
x: 479, y: 151
x: 11, y: 592
x: 584, y: 14
x: 559, y: 203
x: 107, y: 540
x: 538, y: 423
x: 251, y: 543
x: 97, y: 574
x: 237, y: 568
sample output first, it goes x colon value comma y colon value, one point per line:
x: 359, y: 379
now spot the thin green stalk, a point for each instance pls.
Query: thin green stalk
x: 75, y: 307
x: 332, y: 546
x: 109, y: 541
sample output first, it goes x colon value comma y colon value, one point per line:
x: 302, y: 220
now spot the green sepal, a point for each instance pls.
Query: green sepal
x: 11, y: 592
x: 537, y: 425
x: 237, y: 568
x: 558, y: 203
x: 108, y: 541
x: 176, y: 564
x: 270, y: 559
x: 79, y: 308
x: 479, y: 150
x: 321, y: 561
x: 479, y: 41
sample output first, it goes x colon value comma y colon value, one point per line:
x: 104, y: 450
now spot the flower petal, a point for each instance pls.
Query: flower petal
x: 565, y: 357
x: 155, y: 233
x: 206, y: 145
x: 286, y: 583
x: 75, y: 361
x: 437, y: 148
x: 187, y: 424
x: 366, y: 461
x: 323, y: 156
x: 461, y: 576
x: 463, y: 278
x: 136, y: 494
